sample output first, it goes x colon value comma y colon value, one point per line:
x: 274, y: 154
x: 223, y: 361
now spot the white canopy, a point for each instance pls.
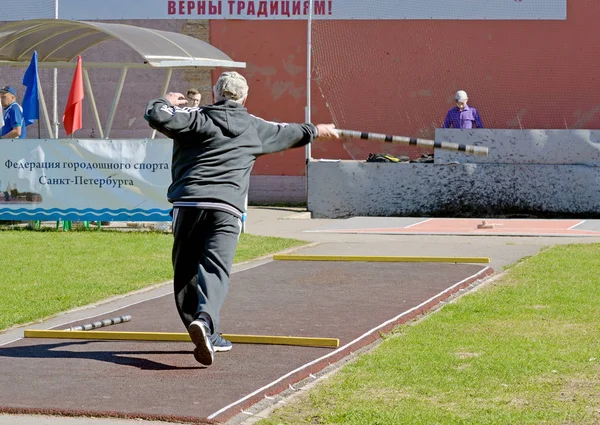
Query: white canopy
x: 59, y: 41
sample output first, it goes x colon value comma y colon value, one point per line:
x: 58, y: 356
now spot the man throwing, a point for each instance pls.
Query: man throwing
x: 214, y: 149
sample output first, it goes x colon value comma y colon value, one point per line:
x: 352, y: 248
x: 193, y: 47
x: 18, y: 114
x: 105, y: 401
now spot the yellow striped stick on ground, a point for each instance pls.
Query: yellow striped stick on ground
x: 380, y: 258
x: 180, y: 337
x: 423, y: 143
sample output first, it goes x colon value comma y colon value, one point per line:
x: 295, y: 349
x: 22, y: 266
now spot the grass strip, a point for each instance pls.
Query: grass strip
x: 48, y: 272
x: 521, y: 350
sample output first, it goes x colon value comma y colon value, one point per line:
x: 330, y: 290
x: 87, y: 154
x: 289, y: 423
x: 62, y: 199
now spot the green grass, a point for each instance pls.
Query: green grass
x: 522, y: 350
x: 45, y: 273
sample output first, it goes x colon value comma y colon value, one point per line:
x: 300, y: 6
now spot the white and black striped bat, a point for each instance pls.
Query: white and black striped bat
x: 424, y: 143
x: 101, y: 323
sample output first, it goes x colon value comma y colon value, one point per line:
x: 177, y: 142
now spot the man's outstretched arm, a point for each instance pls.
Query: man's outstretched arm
x: 277, y: 137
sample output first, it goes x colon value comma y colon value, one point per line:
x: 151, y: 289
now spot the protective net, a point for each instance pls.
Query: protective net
x: 400, y: 77
x: 28, y: 9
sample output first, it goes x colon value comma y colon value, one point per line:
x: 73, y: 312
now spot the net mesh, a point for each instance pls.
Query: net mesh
x: 28, y: 9
x: 400, y: 77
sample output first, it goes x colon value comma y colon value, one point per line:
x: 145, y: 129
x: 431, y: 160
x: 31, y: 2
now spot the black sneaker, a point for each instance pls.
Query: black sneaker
x: 200, y: 335
x: 219, y: 343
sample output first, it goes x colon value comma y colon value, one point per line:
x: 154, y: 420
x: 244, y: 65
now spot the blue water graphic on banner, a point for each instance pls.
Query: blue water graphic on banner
x: 71, y: 214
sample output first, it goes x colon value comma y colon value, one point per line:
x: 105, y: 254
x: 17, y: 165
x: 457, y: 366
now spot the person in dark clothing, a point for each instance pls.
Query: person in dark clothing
x: 214, y: 149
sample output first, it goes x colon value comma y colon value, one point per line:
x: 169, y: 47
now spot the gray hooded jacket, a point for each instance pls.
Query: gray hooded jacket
x: 214, y: 148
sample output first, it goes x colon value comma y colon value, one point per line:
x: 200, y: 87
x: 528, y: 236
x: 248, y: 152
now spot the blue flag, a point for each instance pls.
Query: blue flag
x: 31, y: 99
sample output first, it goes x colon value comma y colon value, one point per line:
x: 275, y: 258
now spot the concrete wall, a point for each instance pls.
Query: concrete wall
x: 549, y: 173
x: 574, y: 147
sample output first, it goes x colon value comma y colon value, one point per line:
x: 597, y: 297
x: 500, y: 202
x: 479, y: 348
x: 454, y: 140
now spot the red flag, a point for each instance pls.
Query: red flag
x: 72, y: 119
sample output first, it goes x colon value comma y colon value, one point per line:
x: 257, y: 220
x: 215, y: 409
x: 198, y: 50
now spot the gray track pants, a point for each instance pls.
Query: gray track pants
x: 203, y: 250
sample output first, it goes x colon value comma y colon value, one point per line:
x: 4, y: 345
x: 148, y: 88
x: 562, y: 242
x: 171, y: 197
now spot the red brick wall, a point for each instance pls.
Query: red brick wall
x: 399, y: 77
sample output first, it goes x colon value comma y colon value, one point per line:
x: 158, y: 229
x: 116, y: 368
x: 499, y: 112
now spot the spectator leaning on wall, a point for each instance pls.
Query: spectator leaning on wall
x: 462, y: 115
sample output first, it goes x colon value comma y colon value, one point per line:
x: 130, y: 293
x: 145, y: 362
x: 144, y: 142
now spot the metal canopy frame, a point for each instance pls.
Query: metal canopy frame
x: 58, y: 42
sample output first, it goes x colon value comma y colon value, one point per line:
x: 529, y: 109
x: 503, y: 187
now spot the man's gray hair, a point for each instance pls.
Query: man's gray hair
x: 231, y: 85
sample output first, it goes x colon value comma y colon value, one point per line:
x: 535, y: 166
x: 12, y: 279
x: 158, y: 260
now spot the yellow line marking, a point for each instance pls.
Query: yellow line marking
x: 180, y: 337
x: 382, y: 259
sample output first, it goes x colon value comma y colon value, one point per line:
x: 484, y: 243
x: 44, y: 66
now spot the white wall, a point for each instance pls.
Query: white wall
x: 563, y: 182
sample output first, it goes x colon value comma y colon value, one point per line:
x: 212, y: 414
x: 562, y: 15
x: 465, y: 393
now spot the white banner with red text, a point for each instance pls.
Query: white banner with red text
x: 289, y: 9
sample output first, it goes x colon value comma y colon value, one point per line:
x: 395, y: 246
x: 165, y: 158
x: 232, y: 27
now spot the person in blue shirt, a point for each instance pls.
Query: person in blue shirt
x: 462, y: 115
x: 14, y: 127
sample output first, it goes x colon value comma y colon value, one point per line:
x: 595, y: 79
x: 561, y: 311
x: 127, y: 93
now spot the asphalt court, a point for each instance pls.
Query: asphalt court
x: 153, y: 380
x: 463, y: 226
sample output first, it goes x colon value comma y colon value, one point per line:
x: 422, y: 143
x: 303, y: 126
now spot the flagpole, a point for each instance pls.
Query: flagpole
x: 307, y: 110
x: 37, y: 76
x: 55, y: 86
x: 44, y: 110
